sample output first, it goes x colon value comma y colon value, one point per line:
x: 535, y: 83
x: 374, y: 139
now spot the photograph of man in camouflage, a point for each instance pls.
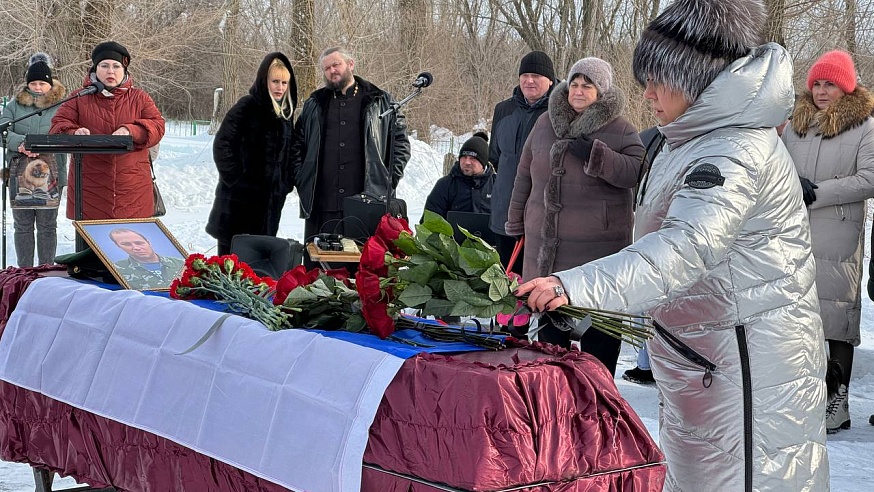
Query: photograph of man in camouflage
x: 143, y: 268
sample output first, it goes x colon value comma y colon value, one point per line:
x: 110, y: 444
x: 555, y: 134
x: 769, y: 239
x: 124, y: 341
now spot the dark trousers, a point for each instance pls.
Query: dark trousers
x: 504, y: 245
x: 224, y: 247
x: 595, y: 342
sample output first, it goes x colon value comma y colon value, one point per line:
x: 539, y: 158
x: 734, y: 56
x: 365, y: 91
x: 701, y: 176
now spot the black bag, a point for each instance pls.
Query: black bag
x: 362, y: 213
x: 160, y: 209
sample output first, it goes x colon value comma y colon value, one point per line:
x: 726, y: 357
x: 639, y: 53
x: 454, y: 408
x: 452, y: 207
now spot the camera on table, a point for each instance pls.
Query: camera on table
x: 329, y: 242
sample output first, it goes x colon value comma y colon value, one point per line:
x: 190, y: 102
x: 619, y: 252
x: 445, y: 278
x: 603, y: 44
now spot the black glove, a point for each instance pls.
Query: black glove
x: 581, y: 147
x: 807, y: 188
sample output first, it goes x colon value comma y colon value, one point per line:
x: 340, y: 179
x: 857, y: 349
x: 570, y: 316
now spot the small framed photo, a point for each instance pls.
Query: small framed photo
x: 140, y: 253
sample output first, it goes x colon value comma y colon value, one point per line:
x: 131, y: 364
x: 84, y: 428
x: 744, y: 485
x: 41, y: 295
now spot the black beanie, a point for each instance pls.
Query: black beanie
x: 109, y: 50
x: 537, y: 62
x: 477, y: 147
x: 39, y: 67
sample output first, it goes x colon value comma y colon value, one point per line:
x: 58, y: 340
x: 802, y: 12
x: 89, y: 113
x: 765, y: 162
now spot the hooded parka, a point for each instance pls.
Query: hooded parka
x: 834, y: 149
x: 116, y: 186
x: 251, y: 152
x: 570, y: 210
x: 722, y: 262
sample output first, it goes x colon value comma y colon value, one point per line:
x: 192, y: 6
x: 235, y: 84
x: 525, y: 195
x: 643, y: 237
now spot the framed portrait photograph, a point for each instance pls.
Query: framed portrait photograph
x: 140, y: 253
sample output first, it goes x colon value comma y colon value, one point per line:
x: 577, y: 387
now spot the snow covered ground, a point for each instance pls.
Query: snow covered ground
x: 187, y: 177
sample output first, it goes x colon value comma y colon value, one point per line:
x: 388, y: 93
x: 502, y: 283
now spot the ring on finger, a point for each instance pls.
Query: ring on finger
x: 558, y: 290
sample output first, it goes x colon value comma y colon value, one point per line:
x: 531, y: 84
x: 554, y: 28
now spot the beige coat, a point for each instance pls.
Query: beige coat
x: 834, y: 148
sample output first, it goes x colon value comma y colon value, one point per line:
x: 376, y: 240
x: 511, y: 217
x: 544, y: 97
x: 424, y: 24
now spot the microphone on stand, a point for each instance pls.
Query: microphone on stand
x: 424, y: 79
x: 94, y: 88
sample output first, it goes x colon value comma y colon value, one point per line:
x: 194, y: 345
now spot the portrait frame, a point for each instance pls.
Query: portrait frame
x: 126, y: 265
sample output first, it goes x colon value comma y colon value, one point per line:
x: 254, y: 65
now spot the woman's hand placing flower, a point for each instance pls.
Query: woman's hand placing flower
x: 544, y: 294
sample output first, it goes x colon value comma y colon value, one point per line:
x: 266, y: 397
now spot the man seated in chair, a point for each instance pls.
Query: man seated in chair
x: 143, y: 268
x: 468, y: 187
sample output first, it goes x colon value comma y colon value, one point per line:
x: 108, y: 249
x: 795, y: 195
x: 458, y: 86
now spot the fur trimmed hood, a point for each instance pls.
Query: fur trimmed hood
x: 568, y: 124
x: 844, y: 114
x: 25, y: 98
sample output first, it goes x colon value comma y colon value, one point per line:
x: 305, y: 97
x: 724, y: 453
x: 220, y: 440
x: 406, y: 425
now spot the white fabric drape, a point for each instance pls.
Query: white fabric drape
x: 292, y: 407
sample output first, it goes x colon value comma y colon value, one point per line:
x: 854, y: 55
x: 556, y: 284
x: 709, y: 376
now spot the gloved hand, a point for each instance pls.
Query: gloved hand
x: 581, y: 147
x: 807, y: 188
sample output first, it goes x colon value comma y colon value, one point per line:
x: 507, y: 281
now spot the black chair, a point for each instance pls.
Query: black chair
x: 267, y: 255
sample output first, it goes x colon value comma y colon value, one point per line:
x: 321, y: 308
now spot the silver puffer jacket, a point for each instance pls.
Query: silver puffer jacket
x: 722, y: 262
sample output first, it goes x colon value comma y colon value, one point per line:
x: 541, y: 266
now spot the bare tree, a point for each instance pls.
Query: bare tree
x: 303, y: 53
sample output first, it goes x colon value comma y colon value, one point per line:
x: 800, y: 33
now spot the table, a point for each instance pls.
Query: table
x: 530, y: 415
x: 326, y: 257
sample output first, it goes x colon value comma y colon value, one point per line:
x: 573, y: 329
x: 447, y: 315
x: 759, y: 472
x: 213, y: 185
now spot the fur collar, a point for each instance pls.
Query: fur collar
x: 846, y: 113
x: 25, y: 98
x: 567, y: 124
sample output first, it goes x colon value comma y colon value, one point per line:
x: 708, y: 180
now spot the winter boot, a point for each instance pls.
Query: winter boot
x: 639, y: 376
x: 837, y: 414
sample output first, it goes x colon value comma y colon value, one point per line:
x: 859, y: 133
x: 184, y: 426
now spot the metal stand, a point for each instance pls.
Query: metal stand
x: 78, y: 145
x: 395, y: 106
x: 43, y: 480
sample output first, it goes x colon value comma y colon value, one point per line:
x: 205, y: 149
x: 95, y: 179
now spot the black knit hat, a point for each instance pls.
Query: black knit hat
x: 537, y: 62
x: 39, y: 67
x: 477, y: 147
x: 109, y: 50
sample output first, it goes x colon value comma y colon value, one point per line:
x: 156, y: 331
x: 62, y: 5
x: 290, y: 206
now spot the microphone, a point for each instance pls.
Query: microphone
x: 424, y: 79
x: 94, y: 88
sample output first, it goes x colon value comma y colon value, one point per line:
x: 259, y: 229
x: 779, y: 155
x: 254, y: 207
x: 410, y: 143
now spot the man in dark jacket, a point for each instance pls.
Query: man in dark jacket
x: 342, y: 148
x: 468, y: 186
x: 511, y: 124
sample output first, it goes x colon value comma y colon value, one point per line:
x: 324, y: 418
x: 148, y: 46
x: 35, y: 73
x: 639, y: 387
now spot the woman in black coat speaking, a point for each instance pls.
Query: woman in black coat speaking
x: 251, y: 154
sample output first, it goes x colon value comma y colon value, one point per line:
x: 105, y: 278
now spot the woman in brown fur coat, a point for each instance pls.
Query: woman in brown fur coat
x: 573, y: 194
x: 831, y: 140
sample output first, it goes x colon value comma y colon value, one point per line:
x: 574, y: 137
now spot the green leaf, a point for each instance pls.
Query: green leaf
x: 474, y: 261
x: 415, y: 295
x: 499, y: 283
x: 301, y: 294
x: 407, y: 244
x: 459, y: 291
x: 355, y: 323
x: 438, y: 307
x: 419, y: 274
x: 437, y: 224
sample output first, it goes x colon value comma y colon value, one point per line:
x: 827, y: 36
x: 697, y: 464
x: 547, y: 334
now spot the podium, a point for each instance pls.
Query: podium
x: 78, y: 145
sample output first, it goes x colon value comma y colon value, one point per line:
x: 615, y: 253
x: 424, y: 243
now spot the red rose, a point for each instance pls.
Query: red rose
x: 340, y: 274
x: 374, y: 305
x: 389, y: 229
x: 291, y: 280
x: 373, y: 257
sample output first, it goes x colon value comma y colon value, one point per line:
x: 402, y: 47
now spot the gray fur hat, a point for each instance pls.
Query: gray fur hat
x: 596, y: 70
x: 692, y: 41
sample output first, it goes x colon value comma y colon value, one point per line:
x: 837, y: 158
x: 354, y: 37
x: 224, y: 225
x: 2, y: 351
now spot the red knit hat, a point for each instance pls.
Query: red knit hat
x: 835, y: 66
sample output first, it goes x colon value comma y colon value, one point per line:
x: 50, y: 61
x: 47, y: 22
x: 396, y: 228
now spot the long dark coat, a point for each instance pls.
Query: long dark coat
x: 251, y: 153
x: 573, y: 211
